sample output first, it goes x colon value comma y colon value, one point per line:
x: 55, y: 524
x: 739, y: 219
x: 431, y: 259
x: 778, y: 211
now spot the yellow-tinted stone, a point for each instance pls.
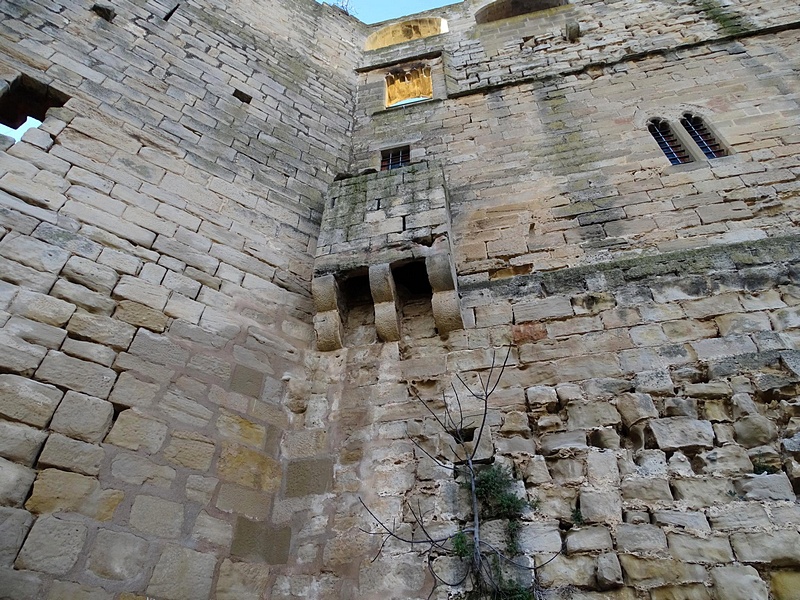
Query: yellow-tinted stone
x: 249, y: 468
x: 241, y: 429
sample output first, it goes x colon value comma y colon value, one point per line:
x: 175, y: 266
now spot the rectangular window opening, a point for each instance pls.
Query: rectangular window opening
x: 242, y: 97
x: 25, y: 104
x: 395, y: 158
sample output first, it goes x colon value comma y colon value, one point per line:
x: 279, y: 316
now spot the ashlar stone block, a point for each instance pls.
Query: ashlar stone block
x: 117, y: 556
x: 77, y: 375
x: 182, y: 574
x: 134, y: 431
x: 53, y: 546
x: 15, y: 482
x: 14, y: 526
x: 242, y: 581
x: 20, y: 443
x: 56, y: 491
x: 675, y: 433
x: 634, y: 407
x: 65, y: 453
x: 157, y: 516
x: 738, y: 583
x: 778, y: 548
x: 83, y: 417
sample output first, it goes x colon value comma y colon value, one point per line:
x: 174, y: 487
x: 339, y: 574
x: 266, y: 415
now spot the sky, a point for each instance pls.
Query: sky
x: 374, y: 11
x: 17, y: 133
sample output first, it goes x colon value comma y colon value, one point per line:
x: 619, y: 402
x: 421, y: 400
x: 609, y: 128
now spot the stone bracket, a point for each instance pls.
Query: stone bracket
x: 330, y: 314
x: 445, y: 302
x: 384, y: 295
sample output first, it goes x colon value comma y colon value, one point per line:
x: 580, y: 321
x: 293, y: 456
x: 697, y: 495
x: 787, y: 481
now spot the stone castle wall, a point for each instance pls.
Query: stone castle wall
x: 168, y: 427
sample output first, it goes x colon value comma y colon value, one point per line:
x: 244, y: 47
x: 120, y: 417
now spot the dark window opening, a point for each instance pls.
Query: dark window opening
x: 395, y: 158
x: 411, y: 281
x: 242, y: 97
x: 171, y: 12
x: 668, y: 142
x: 696, y: 127
x: 355, y: 291
x: 104, y: 11
x: 505, y: 9
x: 26, y: 103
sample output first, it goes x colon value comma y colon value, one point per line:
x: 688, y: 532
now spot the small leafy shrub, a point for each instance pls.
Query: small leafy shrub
x: 759, y: 468
x: 577, y: 516
x: 494, y: 487
x: 462, y: 545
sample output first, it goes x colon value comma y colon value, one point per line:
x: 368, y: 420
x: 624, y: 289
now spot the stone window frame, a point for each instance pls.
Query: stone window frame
x: 417, y: 72
x: 396, y: 157
x: 500, y: 10
x: 692, y: 151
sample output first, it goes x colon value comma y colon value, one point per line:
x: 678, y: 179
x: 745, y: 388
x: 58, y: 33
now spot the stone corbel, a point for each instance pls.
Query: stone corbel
x: 329, y: 317
x: 445, y: 303
x: 384, y: 296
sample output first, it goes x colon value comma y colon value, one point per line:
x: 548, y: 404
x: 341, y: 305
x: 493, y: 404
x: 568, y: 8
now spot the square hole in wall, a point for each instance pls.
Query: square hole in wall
x: 395, y: 158
x: 25, y: 104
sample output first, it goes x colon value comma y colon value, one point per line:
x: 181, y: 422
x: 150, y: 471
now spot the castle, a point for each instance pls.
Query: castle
x: 252, y: 243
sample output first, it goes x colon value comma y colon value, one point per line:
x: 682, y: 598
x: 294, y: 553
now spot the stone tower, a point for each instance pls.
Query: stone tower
x: 247, y: 239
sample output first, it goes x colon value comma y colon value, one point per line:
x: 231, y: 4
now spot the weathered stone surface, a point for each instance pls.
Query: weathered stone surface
x: 138, y: 470
x: 190, y: 450
x: 53, y: 546
x: 142, y: 292
x: 160, y: 349
x: 83, y: 417
x: 65, y: 453
x: 765, y: 487
x: 578, y: 569
x: 738, y: 583
x: 249, y: 468
x: 140, y: 315
x: 728, y: 460
x: 20, y: 443
x: 249, y: 503
x: 97, y: 277
x: 539, y: 538
x: 242, y: 581
x: 212, y: 531
x: 778, y: 548
x: 56, y: 491
x: 66, y: 590
x: 101, y: 329
x: 683, y: 592
x: 635, y: 408
x: 21, y: 585
x: 785, y: 585
x: 309, y: 476
x: 591, y: 415
x: 27, y: 401
x: 261, y: 542
x: 676, y: 433
x: 754, y: 430
x: 640, y: 538
x: 553, y: 442
x: 42, y: 308
x: 182, y: 574
x: 157, y: 516
x: 699, y: 493
x: 132, y: 391
x: 609, y: 571
x: 117, y: 555
x: 712, y: 549
x: 15, y: 482
x: 738, y: 516
x: 688, y: 520
x: 588, y: 539
x: 658, y: 572
x: 14, y: 526
x: 134, y: 431
x: 78, y: 375
x: 600, y: 506
x: 648, y: 490
x: 17, y: 355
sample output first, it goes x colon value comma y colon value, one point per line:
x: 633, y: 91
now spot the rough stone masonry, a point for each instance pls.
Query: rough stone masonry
x: 228, y: 272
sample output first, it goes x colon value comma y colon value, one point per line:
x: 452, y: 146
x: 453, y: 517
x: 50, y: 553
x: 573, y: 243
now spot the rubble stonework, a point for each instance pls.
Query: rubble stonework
x: 219, y: 320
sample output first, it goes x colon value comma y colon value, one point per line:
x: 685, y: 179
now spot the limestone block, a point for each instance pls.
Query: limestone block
x: 132, y: 391
x: 14, y: 526
x: 182, y: 574
x: 651, y: 463
x: 539, y: 538
x: 675, y: 433
x: 140, y: 315
x: 515, y: 422
x: 728, y: 460
x: 34, y: 253
x: 78, y: 375
x: 20, y: 443
x: 738, y: 515
x: 738, y: 583
x: 53, y: 546
x: 138, y: 470
x: 326, y: 293
x: 606, y: 438
x: 83, y: 297
x: 42, y: 308
x: 600, y: 506
x: 249, y: 468
x: 65, y: 453
x: 247, y: 432
x: 134, y: 431
x: 635, y: 407
x: 578, y: 570
x: 785, y: 585
x: 683, y: 592
x: 15, y: 482
x: 190, y: 450
x: 656, y: 382
x: 591, y: 415
x: 141, y: 291
x: 242, y: 581
x: 647, y: 490
x: 212, y: 531
x: 588, y: 539
x: 17, y: 355
x: 83, y: 417
x: 778, y: 548
x: 700, y: 493
x: 713, y: 549
x: 791, y: 445
x: 551, y: 443
x: 94, y: 276
x: 56, y: 491
x: 566, y: 470
x: 261, y: 542
x: 328, y: 327
x: 640, y: 538
x: 21, y: 585
x: 157, y: 516
x: 609, y: 571
x: 387, y: 321
x: 66, y: 590
x: 765, y: 487
x: 117, y: 555
x: 755, y: 430
x: 39, y: 334
x: 446, y: 312
x: 536, y: 471
x: 101, y: 330
x: 440, y: 271
x: 160, y: 349
x: 309, y: 477
x: 695, y: 521
x: 657, y: 572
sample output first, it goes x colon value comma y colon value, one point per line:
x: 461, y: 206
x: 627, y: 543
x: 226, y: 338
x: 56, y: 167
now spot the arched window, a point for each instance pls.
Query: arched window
x: 702, y: 136
x: 505, y: 9
x: 404, y: 87
x: 668, y: 142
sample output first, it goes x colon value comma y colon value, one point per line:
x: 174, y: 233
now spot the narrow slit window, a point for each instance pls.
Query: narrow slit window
x: 668, y: 142
x: 395, y: 158
x: 702, y: 136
